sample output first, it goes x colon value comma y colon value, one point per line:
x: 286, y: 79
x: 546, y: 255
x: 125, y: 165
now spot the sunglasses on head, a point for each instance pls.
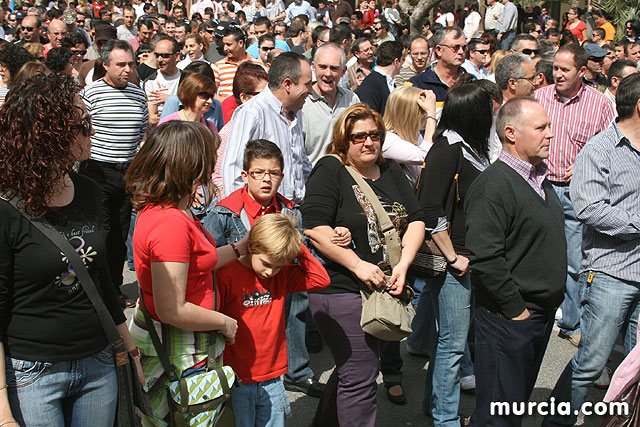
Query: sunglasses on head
x: 360, y: 137
x: 530, y: 51
x: 164, y: 55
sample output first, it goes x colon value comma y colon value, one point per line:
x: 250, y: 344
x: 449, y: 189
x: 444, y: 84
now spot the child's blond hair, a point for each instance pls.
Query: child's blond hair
x: 276, y: 236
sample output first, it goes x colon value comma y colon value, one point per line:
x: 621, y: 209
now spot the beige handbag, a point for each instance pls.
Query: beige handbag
x: 385, y: 316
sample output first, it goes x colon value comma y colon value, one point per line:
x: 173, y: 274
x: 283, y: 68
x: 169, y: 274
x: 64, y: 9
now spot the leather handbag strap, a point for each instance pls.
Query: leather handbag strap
x: 391, y: 237
x: 108, y: 325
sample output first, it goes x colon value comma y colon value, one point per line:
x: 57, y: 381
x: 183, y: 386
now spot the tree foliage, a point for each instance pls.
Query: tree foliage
x: 620, y: 10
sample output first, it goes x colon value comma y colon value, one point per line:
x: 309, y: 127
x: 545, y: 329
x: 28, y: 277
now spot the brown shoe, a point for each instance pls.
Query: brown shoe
x: 574, y: 339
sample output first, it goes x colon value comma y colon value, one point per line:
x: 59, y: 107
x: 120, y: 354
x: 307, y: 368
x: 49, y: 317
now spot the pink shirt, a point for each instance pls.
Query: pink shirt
x: 573, y: 122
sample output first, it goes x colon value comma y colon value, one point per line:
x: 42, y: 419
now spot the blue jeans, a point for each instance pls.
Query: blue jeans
x: 77, y: 393
x: 132, y: 227
x: 610, y: 307
x: 296, y: 306
x: 571, y: 309
x: 264, y: 403
x: 451, y: 297
x: 507, y: 38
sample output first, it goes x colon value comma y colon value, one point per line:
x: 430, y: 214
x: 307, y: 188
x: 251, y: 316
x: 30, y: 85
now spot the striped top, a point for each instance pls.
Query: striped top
x: 534, y: 175
x: 605, y: 190
x: 120, y: 118
x: 262, y: 117
x: 225, y: 70
x: 574, y: 121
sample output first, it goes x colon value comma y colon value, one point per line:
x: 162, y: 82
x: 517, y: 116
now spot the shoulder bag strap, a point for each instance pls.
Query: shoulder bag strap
x: 108, y: 325
x: 391, y: 237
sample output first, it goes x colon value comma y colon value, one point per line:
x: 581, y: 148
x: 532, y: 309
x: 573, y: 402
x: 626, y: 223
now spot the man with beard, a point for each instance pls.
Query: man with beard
x: 164, y: 82
x: 326, y: 102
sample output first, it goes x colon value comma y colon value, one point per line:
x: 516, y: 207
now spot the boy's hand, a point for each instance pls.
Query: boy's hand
x: 341, y: 237
x: 229, y: 329
x: 198, y: 200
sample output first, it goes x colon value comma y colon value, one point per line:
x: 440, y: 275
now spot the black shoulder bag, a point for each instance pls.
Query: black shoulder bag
x: 131, y: 396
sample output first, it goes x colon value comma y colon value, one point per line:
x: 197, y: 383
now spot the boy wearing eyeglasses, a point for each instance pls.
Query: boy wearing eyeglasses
x: 229, y: 220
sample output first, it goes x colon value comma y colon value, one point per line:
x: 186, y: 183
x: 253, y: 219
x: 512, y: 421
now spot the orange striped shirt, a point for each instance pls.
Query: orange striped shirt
x: 224, y: 72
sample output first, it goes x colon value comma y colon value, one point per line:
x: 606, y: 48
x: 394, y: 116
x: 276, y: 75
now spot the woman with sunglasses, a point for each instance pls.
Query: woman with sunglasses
x: 77, y: 44
x: 334, y: 199
x: 196, y: 95
x: 58, y: 369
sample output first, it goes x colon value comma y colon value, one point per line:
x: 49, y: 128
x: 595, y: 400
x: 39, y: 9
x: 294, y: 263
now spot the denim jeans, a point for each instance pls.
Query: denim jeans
x: 132, y: 227
x: 571, y: 308
x: 296, y: 306
x: 451, y: 297
x: 264, y: 403
x: 508, y: 358
x: 423, y: 325
x: 77, y: 393
x: 507, y: 38
x: 610, y: 307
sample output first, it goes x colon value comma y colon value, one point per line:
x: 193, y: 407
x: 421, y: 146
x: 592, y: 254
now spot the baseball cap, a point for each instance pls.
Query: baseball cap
x: 221, y: 30
x: 69, y: 16
x: 595, y: 51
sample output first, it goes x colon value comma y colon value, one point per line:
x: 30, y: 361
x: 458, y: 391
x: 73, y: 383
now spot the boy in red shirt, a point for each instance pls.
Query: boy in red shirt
x: 252, y: 290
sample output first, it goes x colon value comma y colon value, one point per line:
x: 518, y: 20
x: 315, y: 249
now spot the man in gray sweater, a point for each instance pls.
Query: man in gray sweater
x: 515, y: 233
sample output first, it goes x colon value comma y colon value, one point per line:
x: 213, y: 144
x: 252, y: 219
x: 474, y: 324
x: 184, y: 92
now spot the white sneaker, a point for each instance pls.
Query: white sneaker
x: 558, y: 313
x: 468, y: 383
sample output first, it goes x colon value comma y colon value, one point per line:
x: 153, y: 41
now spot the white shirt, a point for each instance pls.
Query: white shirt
x: 445, y: 18
x: 410, y: 156
x: 472, y: 25
x: 158, y: 82
x: 187, y: 60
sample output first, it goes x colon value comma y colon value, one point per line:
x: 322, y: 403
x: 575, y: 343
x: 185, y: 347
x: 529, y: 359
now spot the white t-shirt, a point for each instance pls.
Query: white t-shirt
x: 445, y: 18
x: 158, y: 82
x: 472, y: 25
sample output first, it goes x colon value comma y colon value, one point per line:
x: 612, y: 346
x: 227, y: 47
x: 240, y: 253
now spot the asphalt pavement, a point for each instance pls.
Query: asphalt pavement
x: 558, y: 354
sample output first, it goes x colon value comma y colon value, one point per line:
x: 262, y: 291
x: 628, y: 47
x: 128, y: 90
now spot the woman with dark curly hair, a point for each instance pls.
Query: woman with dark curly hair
x: 59, y: 369
x: 12, y: 57
x: 59, y: 61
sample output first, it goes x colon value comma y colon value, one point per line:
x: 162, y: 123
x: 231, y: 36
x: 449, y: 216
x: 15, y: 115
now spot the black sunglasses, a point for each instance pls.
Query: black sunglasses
x: 595, y: 59
x: 360, y: 137
x: 86, y: 125
x: 205, y: 95
x: 79, y: 52
x: 530, y: 51
x: 266, y: 48
x: 164, y: 55
x: 482, y: 51
x: 29, y: 28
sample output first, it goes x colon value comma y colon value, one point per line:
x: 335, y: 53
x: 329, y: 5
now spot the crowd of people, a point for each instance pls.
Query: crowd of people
x: 212, y: 149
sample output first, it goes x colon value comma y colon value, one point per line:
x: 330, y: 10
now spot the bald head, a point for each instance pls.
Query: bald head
x: 31, y: 29
x: 57, y: 32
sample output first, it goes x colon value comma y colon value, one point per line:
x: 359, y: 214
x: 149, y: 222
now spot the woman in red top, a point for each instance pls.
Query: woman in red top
x: 367, y: 14
x: 577, y: 27
x: 173, y: 255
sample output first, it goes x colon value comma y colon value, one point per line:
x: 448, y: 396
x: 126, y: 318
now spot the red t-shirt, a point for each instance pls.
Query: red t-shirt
x: 228, y: 107
x: 168, y: 235
x: 260, y: 350
x: 577, y: 30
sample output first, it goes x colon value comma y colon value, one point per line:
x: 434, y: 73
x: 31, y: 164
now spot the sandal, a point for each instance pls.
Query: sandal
x: 125, y: 301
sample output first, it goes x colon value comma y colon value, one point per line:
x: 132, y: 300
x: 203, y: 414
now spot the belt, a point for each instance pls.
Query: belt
x: 117, y: 166
x: 560, y: 183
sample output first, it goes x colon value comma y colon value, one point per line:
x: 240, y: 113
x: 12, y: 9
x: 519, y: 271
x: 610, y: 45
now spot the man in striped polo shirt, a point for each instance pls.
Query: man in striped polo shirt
x: 119, y: 112
x: 225, y: 69
x: 577, y: 112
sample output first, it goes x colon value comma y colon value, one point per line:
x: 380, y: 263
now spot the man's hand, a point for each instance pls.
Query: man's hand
x: 158, y: 97
x: 568, y: 174
x: 461, y: 266
x: 522, y: 316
